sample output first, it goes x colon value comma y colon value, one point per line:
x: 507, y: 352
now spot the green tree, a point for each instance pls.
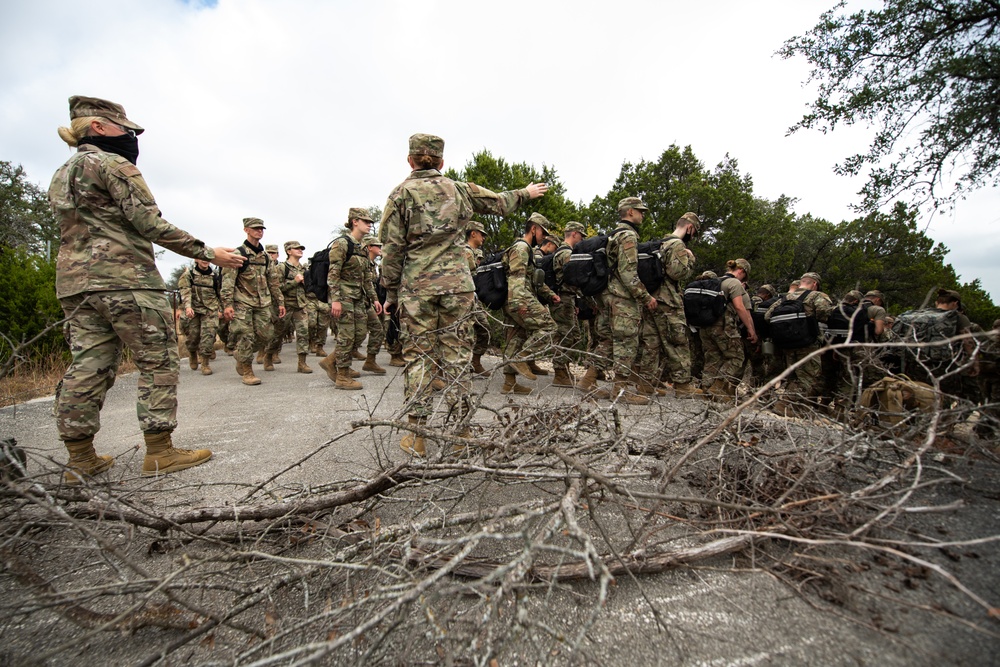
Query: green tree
x: 28, y: 301
x: 926, y: 75
x: 25, y: 218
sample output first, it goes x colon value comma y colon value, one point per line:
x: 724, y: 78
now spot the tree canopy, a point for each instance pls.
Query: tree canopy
x: 926, y: 75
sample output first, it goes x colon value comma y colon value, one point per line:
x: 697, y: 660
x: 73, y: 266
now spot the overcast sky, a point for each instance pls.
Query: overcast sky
x: 294, y: 111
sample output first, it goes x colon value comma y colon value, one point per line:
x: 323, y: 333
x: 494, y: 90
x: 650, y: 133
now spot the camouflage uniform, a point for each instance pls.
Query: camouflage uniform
x: 425, y: 271
x: 319, y: 320
x: 625, y: 297
x: 665, y: 330
x: 249, y: 292
x: 111, y: 292
x: 350, y: 285
x: 533, y: 330
x: 296, y: 309
x: 722, y: 342
x: 478, y: 321
x: 564, y: 313
x: 376, y: 331
x: 199, y: 292
x: 805, y: 380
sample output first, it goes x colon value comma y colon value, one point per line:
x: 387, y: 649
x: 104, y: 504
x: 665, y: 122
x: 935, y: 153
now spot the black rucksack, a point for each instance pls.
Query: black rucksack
x: 848, y: 318
x: 490, y: 279
x: 704, y: 302
x: 790, y: 327
x: 650, y: 268
x: 319, y: 269
x: 587, y: 268
x: 546, y: 266
x: 760, y: 325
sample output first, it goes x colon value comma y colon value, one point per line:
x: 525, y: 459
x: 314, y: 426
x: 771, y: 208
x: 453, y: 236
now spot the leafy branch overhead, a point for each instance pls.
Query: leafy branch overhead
x: 926, y: 75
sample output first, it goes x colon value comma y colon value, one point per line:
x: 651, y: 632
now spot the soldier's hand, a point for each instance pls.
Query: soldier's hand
x: 536, y: 190
x: 651, y: 304
x: 335, y: 309
x: 189, y: 313
x: 556, y: 298
x: 299, y: 278
x: 389, y: 308
x: 752, y: 336
x: 378, y: 308
x: 229, y: 314
x: 228, y: 258
x: 281, y: 311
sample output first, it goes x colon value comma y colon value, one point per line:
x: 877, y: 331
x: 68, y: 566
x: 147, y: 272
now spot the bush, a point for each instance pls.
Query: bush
x: 28, y: 302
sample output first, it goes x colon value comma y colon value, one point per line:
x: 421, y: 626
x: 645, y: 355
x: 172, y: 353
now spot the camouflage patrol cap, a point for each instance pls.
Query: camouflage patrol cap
x: 293, y: 244
x: 631, y: 202
x: 811, y: 275
x: 271, y: 247
x: 476, y: 226
x: 368, y: 240
x: 358, y: 214
x: 690, y: 218
x: 426, y: 144
x: 875, y: 294
x: 253, y: 223
x: 767, y: 288
x: 854, y: 295
x: 743, y: 264
x: 550, y: 238
x: 540, y: 220
x: 574, y: 226
x: 82, y: 107
x: 709, y: 274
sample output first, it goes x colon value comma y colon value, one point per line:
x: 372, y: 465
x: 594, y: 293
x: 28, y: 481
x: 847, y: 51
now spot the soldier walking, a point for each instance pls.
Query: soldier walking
x: 291, y: 276
x: 199, y: 288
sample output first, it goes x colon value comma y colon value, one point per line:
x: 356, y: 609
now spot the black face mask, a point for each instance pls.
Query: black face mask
x: 125, y: 145
x: 688, y: 238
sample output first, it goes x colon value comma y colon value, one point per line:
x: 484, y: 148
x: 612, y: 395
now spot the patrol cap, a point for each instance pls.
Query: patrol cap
x: 811, y: 275
x: 690, y: 218
x: 743, y: 264
x: 551, y: 239
x: 709, y: 274
x: 875, y: 294
x: 293, y: 244
x: 368, y: 240
x: 81, y: 107
x: 426, y: 144
x: 631, y: 202
x: 574, y: 226
x: 253, y: 223
x: 767, y: 288
x: 357, y: 214
x: 271, y: 247
x: 948, y: 296
x: 855, y: 295
x: 476, y: 226
x: 540, y: 220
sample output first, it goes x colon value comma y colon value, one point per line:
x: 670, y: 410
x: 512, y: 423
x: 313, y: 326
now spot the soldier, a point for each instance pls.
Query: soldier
x: 664, y: 331
x: 351, y: 292
x: 564, y: 311
x: 722, y: 342
x: 372, y: 249
x: 532, y: 326
x: 874, y: 301
x: 425, y: 272
x: 200, y: 300
x: 291, y: 276
x: 625, y: 298
x: 805, y: 379
x: 106, y: 214
x: 475, y: 236
x: 247, y: 294
x: 268, y: 353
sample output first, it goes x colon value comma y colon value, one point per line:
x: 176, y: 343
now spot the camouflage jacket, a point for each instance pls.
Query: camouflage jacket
x: 108, y: 223
x: 372, y: 279
x: 519, y: 264
x: 199, y: 291
x: 348, y: 276
x: 474, y: 256
x: 294, y: 292
x: 423, y: 229
x: 623, y: 262
x: 678, y: 266
x: 253, y: 285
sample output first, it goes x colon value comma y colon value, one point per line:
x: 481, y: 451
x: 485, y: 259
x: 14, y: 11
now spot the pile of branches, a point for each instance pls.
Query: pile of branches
x: 456, y: 559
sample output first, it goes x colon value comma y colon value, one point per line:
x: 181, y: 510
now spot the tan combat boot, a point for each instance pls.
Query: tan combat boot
x: 84, y: 461
x: 320, y: 352
x: 626, y: 396
x: 437, y: 384
x: 642, y: 385
x: 721, y: 390
x: 397, y: 360
x: 212, y: 356
x: 268, y: 362
x: 193, y: 360
x: 563, y: 378
x: 239, y: 367
x: 687, y: 390
x: 511, y: 386
x: 303, y: 368
x: 589, y: 380
x: 275, y: 359
x: 260, y: 357
x: 353, y: 373
x: 535, y: 369
x: 411, y: 443
x: 477, y: 366
x: 372, y: 366
x: 329, y: 364
x: 523, y: 369
x: 356, y: 354
x: 345, y: 381
x: 205, y: 368
x: 249, y: 378
x: 162, y: 457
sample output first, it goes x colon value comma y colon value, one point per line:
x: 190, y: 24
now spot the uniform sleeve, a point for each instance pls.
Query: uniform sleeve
x: 628, y: 267
x: 392, y: 234
x: 470, y: 257
x: 228, y: 290
x: 518, y: 259
x: 368, y: 281
x: 559, y: 263
x: 338, y: 255
x: 545, y: 293
x: 678, y: 263
x: 184, y: 285
x: 274, y: 284
x: 128, y: 188
x: 823, y: 306
x: 487, y: 202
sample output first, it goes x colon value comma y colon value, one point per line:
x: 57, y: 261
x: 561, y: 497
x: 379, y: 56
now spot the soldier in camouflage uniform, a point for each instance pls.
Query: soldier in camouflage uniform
x: 246, y: 299
x: 722, y: 341
x: 664, y: 330
x: 268, y: 353
x: 372, y: 249
x: 475, y: 236
x: 111, y: 292
x: 805, y: 380
x: 199, y: 288
x: 351, y: 293
x: 291, y: 276
x: 425, y: 272
x: 564, y: 311
x: 531, y: 325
